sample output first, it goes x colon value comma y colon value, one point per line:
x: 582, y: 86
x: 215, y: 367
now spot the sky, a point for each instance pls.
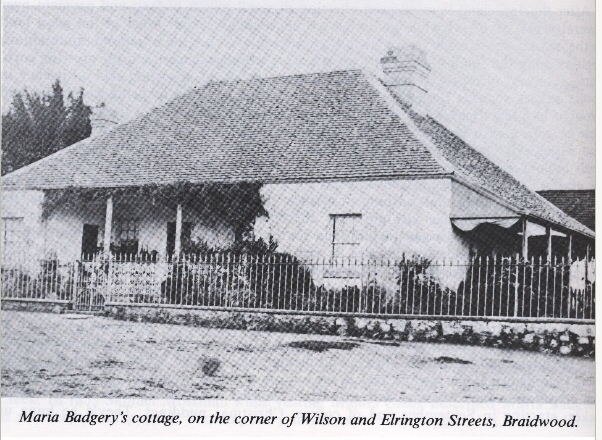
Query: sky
x: 518, y: 86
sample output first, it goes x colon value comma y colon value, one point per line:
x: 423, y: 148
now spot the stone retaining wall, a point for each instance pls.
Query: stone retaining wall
x: 35, y: 305
x: 560, y: 338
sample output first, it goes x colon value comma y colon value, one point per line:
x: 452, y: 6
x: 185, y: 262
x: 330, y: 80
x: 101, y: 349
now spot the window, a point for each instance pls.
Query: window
x: 12, y: 236
x: 128, y: 236
x: 345, y: 235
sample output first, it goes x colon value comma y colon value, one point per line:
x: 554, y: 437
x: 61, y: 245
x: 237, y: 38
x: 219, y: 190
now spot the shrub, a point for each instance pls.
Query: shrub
x: 499, y: 286
x: 276, y: 281
x: 50, y: 280
x: 421, y: 294
x: 248, y: 274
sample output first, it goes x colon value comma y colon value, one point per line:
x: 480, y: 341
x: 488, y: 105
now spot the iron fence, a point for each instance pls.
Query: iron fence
x: 482, y: 287
x: 41, y: 279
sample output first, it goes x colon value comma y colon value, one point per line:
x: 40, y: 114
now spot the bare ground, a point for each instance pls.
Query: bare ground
x: 91, y: 356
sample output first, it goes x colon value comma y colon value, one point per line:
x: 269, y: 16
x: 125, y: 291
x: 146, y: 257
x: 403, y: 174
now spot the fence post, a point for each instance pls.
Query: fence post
x: 516, y: 288
x: 74, y: 278
x: 587, y: 254
x: 568, y: 289
x: 109, y: 289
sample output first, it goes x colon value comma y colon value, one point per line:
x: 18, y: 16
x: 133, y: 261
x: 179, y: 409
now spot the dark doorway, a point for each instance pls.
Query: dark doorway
x: 171, y: 236
x: 89, y: 240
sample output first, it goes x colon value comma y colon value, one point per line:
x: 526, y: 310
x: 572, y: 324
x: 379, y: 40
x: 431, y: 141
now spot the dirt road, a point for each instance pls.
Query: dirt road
x: 92, y: 356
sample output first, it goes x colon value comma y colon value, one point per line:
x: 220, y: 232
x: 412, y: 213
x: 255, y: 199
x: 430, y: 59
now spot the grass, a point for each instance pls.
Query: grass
x: 91, y: 356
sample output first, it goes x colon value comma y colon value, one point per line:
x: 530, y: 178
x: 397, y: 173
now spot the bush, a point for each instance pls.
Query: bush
x: 215, y: 281
x: 50, y: 281
x: 248, y: 274
x: 421, y: 294
x: 225, y: 280
x: 17, y: 283
x: 498, y: 287
x: 371, y: 298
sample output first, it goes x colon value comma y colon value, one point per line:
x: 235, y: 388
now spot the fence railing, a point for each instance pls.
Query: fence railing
x: 480, y: 287
x: 39, y: 279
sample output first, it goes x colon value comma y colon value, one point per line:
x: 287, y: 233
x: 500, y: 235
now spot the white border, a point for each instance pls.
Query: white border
x: 448, y: 5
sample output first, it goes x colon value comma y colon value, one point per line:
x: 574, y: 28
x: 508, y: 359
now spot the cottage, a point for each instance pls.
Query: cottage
x: 337, y: 164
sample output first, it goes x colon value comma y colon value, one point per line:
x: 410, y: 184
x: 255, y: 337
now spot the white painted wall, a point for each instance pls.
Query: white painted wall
x: 63, y: 229
x: 398, y: 216
x: 28, y: 206
x: 468, y: 203
x: 410, y: 217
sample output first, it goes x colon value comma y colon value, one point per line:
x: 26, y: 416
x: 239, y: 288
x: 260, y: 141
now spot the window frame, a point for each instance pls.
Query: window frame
x: 17, y: 220
x: 333, y: 242
x: 131, y: 238
x: 131, y: 233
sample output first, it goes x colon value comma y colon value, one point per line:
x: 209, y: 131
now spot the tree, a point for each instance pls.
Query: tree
x: 37, y: 125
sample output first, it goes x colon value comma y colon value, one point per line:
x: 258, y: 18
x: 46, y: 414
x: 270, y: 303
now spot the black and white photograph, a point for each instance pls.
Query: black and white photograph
x: 298, y: 204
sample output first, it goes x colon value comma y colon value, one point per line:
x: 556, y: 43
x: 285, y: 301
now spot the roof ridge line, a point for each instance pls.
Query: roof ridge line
x: 396, y: 108
x: 291, y: 75
x: 448, y: 132
x: 532, y: 192
x: 432, y: 148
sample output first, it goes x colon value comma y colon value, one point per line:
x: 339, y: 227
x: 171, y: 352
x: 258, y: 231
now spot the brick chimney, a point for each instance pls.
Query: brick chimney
x: 405, y: 73
x: 102, y: 120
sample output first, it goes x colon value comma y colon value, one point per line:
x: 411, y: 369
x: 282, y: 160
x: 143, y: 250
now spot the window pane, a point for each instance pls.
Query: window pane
x: 128, y: 236
x: 13, y: 237
x: 346, y: 229
x: 346, y: 237
x: 128, y: 230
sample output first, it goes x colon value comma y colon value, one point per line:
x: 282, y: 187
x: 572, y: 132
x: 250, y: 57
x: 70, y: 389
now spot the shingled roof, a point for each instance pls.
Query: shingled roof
x: 578, y: 203
x: 315, y: 127
x: 303, y: 127
x: 474, y: 168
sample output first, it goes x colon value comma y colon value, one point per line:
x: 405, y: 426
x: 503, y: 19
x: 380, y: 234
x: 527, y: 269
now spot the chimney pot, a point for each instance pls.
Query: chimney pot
x: 405, y: 73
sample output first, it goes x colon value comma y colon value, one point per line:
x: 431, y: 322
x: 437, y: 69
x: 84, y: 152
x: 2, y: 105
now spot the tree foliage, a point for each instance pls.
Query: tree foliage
x: 37, y: 125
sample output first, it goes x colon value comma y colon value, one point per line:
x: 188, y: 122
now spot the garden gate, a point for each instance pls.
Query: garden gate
x: 90, y: 286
